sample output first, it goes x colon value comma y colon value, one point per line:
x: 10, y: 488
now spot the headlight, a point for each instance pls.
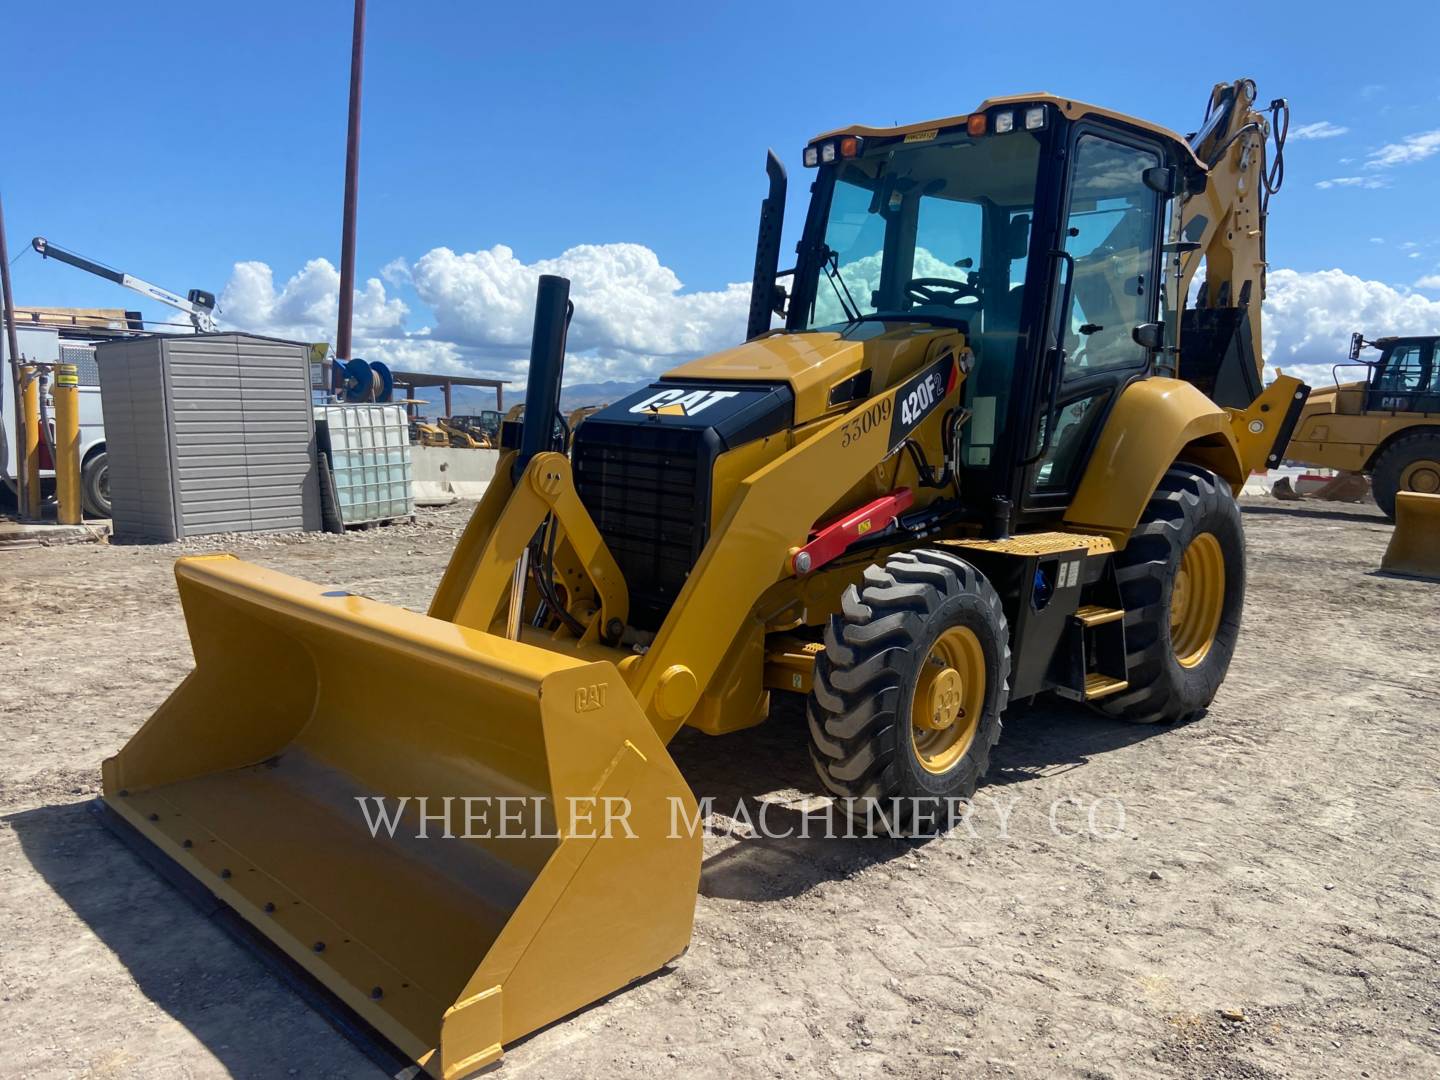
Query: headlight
x: 1004, y: 122
x: 1034, y: 117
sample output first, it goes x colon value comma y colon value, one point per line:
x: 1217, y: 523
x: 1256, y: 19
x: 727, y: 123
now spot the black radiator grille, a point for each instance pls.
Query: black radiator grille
x: 649, y: 494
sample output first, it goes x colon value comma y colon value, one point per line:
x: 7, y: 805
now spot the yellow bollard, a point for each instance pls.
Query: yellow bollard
x: 66, y: 395
x: 28, y: 464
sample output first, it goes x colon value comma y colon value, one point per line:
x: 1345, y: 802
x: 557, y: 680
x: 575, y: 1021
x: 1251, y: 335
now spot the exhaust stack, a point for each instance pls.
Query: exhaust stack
x: 547, y: 364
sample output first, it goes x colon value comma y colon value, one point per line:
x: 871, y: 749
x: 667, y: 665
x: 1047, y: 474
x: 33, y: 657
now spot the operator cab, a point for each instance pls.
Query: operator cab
x: 1035, y: 226
x: 1406, y: 377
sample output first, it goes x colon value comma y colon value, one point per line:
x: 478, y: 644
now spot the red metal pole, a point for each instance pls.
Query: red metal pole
x: 8, y: 302
x: 352, y: 187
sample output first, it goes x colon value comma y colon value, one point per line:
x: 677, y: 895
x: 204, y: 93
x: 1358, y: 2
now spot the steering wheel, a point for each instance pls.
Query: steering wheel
x: 942, y: 291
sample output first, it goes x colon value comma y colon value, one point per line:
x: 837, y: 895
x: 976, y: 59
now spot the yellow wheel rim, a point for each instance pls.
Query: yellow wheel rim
x: 949, y: 698
x: 1197, y: 600
x: 1422, y: 475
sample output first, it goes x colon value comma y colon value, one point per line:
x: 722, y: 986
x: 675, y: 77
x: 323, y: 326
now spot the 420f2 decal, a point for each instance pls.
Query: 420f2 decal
x: 921, y: 395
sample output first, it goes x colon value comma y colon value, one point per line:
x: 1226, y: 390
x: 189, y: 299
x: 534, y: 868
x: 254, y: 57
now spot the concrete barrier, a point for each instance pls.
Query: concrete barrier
x: 441, y: 475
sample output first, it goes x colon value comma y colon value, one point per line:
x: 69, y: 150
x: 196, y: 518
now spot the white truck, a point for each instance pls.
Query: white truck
x: 43, y: 344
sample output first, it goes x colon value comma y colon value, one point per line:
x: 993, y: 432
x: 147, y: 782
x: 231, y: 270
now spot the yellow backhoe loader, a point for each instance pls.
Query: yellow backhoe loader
x: 424, y: 433
x: 484, y: 427
x: 462, y: 436
x: 988, y: 455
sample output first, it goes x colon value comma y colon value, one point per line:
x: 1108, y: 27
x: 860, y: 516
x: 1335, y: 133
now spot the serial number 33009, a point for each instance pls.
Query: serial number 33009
x: 872, y: 417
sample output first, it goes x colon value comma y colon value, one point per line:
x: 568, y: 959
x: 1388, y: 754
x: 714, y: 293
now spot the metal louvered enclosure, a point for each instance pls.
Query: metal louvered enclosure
x: 208, y: 433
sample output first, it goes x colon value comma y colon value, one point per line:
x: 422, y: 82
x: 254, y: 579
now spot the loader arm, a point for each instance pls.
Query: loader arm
x: 478, y: 577
x: 770, y: 516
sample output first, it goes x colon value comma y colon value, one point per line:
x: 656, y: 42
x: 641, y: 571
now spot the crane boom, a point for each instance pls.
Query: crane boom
x: 198, y: 304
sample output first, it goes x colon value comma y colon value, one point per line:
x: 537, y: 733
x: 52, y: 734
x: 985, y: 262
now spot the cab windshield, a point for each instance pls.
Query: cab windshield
x: 933, y: 231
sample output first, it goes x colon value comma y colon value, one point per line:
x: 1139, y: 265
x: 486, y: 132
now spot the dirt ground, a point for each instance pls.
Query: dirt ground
x: 1276, y: 861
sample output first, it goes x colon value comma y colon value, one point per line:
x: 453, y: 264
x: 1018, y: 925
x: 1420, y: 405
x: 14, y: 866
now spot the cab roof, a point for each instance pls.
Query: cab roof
x: 1071, y: 109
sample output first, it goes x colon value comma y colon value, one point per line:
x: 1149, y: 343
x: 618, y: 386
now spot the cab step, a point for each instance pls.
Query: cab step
x: 1098, y: 686
x: 1094, y: 664
x: 1095, y: 615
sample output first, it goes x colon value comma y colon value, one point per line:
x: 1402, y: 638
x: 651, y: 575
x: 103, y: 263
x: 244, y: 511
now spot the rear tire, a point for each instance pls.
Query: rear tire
x: 95, y: 485
x: 1175, y: 667
x: 925, y: 620
x: 1410, y: 463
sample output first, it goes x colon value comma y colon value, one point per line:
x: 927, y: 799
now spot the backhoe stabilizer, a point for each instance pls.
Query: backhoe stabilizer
x: 462, y: 837
x: 1262, y: 430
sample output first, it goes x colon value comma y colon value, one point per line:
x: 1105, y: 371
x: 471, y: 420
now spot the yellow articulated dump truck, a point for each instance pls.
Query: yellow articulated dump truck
x: 1386, y: 425
x: 989, y: 454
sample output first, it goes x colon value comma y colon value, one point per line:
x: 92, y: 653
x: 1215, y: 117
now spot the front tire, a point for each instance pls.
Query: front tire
x: 1410, y: 463
x: 1182, y: 584
x: 909, y: 691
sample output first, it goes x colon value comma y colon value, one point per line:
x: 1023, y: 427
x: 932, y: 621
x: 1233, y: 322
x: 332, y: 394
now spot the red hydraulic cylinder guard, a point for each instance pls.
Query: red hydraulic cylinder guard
x: 829, y: 542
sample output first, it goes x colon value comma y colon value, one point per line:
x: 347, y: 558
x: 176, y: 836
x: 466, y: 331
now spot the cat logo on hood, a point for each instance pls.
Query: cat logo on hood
x: 679, y: 402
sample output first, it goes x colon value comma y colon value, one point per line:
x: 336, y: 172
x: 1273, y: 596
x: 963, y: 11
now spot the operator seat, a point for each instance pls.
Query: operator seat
x: 1000, y: 325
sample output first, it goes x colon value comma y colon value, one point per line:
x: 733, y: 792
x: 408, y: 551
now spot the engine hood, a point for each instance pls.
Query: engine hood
x: 827, y: 369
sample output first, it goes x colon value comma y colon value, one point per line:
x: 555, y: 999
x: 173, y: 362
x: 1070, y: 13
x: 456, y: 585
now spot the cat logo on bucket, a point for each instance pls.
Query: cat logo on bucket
x: 679, y: 402
x: 590, y: 698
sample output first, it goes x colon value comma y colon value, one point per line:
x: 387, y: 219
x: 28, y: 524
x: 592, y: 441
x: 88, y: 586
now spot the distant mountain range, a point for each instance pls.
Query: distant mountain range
x: 472, y: 399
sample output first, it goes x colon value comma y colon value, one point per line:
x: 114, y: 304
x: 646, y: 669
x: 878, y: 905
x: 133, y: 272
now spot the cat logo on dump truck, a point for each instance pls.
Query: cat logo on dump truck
x: 680, y: 402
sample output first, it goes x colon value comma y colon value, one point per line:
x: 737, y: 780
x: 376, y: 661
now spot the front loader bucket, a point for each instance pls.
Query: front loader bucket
x: 1414, y: 549
x: 460, y: 930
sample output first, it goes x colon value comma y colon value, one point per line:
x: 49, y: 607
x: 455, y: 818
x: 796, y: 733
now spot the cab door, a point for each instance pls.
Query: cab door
x: 1110, y: 235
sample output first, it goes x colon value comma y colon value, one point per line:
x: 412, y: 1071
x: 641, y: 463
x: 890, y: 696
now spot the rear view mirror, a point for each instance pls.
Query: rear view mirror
x: 1149, y: 336
x: 1160, y: 178
x: 779, y: 300
x: 1356, y: 343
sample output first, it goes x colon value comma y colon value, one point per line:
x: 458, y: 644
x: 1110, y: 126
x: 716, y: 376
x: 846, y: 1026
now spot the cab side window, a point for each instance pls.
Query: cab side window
x: 1111, y: 231
x: 1400, y: 378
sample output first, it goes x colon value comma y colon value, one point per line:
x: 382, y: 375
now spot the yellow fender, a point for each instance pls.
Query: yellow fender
x: 1159, y: 421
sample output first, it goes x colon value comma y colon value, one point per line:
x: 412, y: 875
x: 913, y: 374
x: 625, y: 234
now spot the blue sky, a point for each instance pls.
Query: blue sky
x: 176, y: 143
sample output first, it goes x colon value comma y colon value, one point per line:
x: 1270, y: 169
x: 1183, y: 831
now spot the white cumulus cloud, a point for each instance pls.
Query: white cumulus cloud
x: 1309, y: 318
x: 1408, y: 150
x: 307, y: 306
x: 626, y: 301
x: 633, y: 316
x: 1429, y: 281
x: 1321, y: 129
x: 396, y: 272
